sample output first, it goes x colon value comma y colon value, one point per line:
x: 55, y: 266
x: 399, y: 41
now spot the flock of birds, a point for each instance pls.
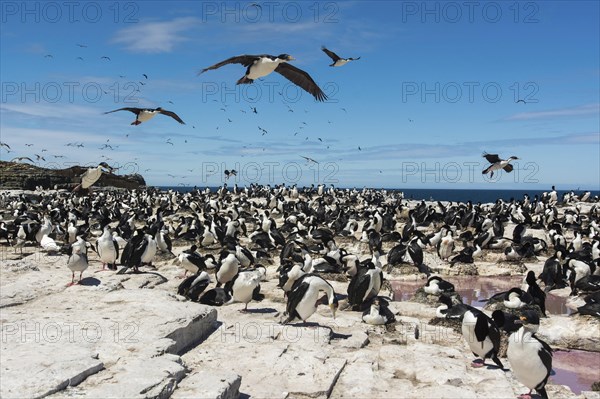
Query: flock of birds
x: 303, y: 228
x: 311, y: 232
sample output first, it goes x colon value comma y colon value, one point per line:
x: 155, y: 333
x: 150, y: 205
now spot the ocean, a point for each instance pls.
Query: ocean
x: 454, y: 195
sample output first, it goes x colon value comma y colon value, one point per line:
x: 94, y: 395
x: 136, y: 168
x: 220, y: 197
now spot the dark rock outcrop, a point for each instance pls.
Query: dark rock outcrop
x: 25, y: 176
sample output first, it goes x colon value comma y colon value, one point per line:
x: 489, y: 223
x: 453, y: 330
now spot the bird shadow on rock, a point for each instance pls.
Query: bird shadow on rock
x: 90, y: 281
x: 261, y: 310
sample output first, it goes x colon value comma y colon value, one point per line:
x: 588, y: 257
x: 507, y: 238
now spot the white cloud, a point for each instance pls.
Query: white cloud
x: 155, y: 37
x: 589, y: 109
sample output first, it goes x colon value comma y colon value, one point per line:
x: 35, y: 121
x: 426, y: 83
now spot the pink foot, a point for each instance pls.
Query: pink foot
x: 71, y: 283
x: 477, y: 363
x: 524, y: 396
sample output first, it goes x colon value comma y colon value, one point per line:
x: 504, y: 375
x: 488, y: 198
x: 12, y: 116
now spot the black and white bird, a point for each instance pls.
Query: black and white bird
x: 482, y: 335
x: 193, y: 286
x: 229, y: 173
x: 191, y: 261
x: 107, y: 249
x: 337, y: 60
x: 244, y: 287
x: 145, y: 114
x: 436, y: 286
x: 304, y: 297
x: 259, y: 66
x: 365, y: 284
x: 529, y: 356
x: 379, y: 313
x: 497, y: 164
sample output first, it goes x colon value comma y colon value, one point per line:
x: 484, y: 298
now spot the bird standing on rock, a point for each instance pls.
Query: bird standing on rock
x: 529, y: 356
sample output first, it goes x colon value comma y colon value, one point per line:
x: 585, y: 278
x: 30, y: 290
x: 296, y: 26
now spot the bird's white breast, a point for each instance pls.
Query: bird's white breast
x: 262, y: 67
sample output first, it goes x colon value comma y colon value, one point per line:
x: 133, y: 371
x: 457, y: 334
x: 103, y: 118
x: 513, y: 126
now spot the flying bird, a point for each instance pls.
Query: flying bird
x: 521, y: 101
x: 4, y: 145
x: 81, y: 45
x: 92, y: 175
x: 337, y: 60
x: 262, y: 65
x: 18, y: 159
x: 105, y: 58
x: 229, y: 173
x: 144, y: 114
x: 144, y: 75
x: 497, y: 164
x: 48, y: 56
x: 309, y: 159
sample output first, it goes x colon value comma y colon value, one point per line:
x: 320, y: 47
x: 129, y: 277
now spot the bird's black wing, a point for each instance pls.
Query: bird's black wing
x: 116, y: 244
x: 331, y: 54
x: 130, y: 109
x: 508, y: 168
x: 356, y: 296
x: 295, y: 296
x: 168, y: 242
x: 245, y: 60
x: 197, y: 261
x: 545, y: 353
x: 492, y: 158
x: 482, y: 328
x: 302, y: 79
x: 446, y: 286
x: 185, y: 285
x: 173, y: 115
x: 416, y: 253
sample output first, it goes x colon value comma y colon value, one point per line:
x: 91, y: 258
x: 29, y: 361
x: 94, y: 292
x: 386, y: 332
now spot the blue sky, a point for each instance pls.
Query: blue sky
x: 436, y: 86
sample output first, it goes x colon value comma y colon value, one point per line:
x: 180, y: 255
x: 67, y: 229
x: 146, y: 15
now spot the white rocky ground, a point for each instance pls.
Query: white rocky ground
x: 131, y: 336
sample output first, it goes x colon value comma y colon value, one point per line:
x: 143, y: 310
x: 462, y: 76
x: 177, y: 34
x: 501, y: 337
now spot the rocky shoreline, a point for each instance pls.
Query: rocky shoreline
x: 131, y: 335
x: 24, y: 176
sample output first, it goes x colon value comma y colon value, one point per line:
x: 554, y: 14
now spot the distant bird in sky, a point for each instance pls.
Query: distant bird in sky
x: 169, y: 142
x: 410, y: 120
x: 256, y: 5
x: 144, y: 75
x: 81, y: 45
x: 19, y: 159
x: 521, y: 101
x: 263, y: 130
x: 4, y: 145
x: 144, y: 114
x: 497, y: 163
x: 39, y: 158
x: 254, y: 110
x: 359, y: 149
x: 79, y: 58
x: 105, y: 58
x: 309, y: 159
x: 337, y: 60
x: 344, y: 109
x: 48, y: 56
x: 28, y: 145
x: 262, y: 65
x: 229, y: 173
